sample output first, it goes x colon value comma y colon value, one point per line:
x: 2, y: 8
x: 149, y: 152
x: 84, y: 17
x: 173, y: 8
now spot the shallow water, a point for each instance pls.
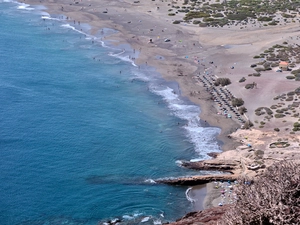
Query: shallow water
x: 80, y: 141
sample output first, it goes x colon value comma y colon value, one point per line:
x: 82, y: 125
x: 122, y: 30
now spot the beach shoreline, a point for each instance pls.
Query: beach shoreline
x: 191, y: 51
x: 172, y: 68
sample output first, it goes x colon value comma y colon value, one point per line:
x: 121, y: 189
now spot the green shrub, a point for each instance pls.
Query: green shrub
x: 287, y: 15
x: 296, y: 129
x: 279, y: 115
x: 276, y: 129
x: 195, y: 14
x: 297, y: 124
x: 259, y: 69
x: 249, y: 86
x: 268, y: 110
x: 265, y: 19
x: 218, y: 15
x: 243, y: 79
x: 279, y: 111
x: 290, y: 77
x: 274, y: 107
x: 208, y: 19
x: 237, y: 102
x: 242, y: 110
x: 273, y: 23
x: 248, y: 124
x: 294, y: 72
x: 222, y: 81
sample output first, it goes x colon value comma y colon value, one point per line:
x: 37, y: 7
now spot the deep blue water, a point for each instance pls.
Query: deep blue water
x: 79, y: 141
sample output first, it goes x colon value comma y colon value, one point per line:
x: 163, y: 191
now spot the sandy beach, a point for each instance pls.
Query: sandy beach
x: 193, y: 52
x: 174, y: 60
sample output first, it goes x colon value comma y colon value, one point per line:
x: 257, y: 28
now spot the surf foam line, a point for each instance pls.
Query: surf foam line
x: 188, y: 196
x: 45, y: 16
x: 48, y: 17
x: 21, y: 6
x: 24, y: 6
x: 203, y: 138
x: 66, y: 25
x: 121, y: 53
x: 137, y: 218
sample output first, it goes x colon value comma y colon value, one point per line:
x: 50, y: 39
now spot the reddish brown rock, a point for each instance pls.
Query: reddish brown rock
x: 205, y: 217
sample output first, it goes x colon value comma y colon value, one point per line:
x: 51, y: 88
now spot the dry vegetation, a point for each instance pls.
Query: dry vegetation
x: 271, y: 199
x: 219, y: 13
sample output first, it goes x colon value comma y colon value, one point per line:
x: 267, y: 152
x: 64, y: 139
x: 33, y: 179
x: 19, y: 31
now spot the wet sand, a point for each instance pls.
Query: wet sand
x: 198, y: 193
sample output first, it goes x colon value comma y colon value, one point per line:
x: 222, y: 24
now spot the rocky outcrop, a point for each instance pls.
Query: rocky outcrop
x: 205, y: 217
x: 196, y: 180
x: 229, y: 166
x: 213, y: 164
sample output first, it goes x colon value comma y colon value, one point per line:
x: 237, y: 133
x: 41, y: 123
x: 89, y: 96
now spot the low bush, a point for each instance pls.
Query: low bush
x: 264, y: 18
x: 268, y: 110
x: 222, y: 81
x: 177, y: 22
x: 294, y: 72
x: 248, y: 124
x: 259, y: 69
x: 290, y: 77
x: 237, y: 102
x: 279, y: 115
x: 243, y: 79
x: 242, y: 110
x: 249, y: 86
x: 218, y: 15
x: 273, y: 107
x: 273, y: 23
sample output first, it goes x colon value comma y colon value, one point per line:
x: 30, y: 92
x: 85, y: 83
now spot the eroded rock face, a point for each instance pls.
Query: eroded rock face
x: 213, y: 164
x: 205, y: 217
x: 196, y: 180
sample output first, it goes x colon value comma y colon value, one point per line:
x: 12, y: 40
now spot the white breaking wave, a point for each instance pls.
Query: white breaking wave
x: 73, y: 28
x: 127, y: 217
x: 1, y: 1
x: 187, y: 195
x: 203, y: 138
x: 125, y: 57
x: 150, y: 181
x: 157, y: 222
x: 24, y: 6
x: 147, y: 218
x: 48, y: 17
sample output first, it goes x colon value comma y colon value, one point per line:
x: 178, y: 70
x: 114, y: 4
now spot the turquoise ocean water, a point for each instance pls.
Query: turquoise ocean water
x: 80, y: 142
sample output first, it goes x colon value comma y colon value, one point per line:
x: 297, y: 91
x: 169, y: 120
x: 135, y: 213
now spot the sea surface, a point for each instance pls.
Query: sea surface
x: 84, y: 132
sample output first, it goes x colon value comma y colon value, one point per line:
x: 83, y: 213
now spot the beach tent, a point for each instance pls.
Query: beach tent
x: 284, y: 65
